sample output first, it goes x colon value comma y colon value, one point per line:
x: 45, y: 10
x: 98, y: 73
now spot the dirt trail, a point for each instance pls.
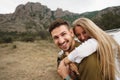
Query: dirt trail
x: 28, y: 61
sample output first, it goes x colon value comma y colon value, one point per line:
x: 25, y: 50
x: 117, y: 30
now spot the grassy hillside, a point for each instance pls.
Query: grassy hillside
x: 28, y: 61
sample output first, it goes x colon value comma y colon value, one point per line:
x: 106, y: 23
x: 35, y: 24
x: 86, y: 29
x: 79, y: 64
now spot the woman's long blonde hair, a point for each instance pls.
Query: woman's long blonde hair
x: 107, y: 49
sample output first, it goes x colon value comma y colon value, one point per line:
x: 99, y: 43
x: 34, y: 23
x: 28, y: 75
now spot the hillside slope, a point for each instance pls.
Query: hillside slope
x: 28, y: 61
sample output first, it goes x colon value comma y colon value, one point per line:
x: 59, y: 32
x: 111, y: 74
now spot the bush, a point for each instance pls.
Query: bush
x: 6, y: 39
x: 14, y: 47
x: 28, y: 39
x: 44, y: 34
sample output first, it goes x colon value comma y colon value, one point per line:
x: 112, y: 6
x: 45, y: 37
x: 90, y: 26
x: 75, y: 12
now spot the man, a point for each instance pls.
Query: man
x: 63, y: 37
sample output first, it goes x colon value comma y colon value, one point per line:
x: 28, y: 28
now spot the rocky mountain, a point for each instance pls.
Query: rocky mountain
x: 108, y: 18
x: 31, y: 17
x: 35, y: 17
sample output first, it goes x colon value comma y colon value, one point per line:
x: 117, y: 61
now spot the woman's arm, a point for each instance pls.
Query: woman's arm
x: 85, y: 49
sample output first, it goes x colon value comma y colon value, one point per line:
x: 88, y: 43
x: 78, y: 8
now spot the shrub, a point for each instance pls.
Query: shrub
x: 28, y: 39
x: 6, y: 39
x: 44, y: 34
x: 14, y: 47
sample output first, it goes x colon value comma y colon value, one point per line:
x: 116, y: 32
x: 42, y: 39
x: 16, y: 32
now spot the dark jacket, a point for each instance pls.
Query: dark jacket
x: 89, y: 68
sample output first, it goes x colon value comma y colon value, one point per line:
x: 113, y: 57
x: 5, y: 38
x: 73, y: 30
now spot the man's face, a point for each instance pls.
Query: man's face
x: 63, y: 37
x: 81, y: 34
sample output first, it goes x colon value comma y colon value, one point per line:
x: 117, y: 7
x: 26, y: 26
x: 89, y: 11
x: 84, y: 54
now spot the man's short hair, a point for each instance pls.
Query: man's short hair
x: 57, y: 23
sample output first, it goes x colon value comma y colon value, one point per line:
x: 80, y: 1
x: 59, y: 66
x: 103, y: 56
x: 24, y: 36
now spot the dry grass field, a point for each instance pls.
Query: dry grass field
x: 28, y: 61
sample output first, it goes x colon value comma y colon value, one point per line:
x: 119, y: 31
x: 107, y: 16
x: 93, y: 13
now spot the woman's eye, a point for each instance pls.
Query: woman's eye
x: 77, y: 35
x: 84, y: 32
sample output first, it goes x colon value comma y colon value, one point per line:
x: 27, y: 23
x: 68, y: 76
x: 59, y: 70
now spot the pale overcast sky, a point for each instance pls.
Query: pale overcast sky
x: 76, y: 6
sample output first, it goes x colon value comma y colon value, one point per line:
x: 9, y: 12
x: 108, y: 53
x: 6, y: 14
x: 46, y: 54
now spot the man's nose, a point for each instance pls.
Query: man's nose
x: 61, y: 40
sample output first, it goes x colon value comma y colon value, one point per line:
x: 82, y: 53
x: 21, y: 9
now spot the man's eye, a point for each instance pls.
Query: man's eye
x: 63, y: 34
x: 55, y: 37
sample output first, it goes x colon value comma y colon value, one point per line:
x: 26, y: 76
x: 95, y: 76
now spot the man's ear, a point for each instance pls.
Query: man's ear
x: 71, y: 31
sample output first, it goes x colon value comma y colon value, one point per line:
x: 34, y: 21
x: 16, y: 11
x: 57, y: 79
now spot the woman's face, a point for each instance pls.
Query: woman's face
x: 81, y: 34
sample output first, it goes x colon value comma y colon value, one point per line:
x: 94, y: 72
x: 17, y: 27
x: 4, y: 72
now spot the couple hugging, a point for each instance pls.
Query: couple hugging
x: 96, y: 56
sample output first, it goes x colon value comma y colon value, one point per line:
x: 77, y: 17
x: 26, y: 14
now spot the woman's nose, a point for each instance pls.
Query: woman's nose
x: 82, y: 37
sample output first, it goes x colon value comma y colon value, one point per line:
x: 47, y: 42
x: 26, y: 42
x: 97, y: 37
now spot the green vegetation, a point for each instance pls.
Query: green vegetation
x: 108, y: 21
x: 9, y: 37
x: 90, y: 15
x: 14, y: 46
x: 6, y: 39
x: 69, y: 18
x: 44, y: 34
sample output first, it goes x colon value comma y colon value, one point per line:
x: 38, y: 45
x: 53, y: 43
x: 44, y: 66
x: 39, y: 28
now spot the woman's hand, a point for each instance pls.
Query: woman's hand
x: 74, y: 68
x: 63, y: 70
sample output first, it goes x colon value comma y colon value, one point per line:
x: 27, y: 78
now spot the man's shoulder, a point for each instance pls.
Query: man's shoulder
x: 60, y: 57
x: 61, y: 54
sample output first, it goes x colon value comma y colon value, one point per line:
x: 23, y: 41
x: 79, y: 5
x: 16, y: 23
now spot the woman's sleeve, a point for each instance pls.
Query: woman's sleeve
x: 85, y: 49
